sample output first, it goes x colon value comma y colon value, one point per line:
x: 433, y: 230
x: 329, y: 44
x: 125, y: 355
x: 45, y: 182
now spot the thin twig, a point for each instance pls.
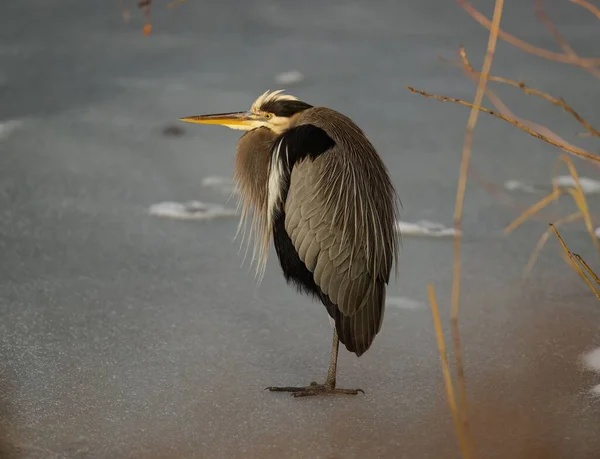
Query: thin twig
x: 499, y: 193
x: 569, y: 259
x: 560, y: 40
x: 576, y: 193
x: 543, y: 17
x: 553, y: 196
x: 573, y: 150
x: 564, y: 58
x: 504, y: 110
x: 580, y: 201
x: 458, y: 209
x: 587, y: 268
x: 579, y: 198
x: 576, y: 267
x: 532, y: 91
x: 588, y: 6
x: 491, y: 188
x: 544, y: 238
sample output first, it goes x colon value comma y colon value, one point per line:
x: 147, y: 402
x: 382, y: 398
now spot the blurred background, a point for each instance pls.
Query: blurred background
x: 129, y: 326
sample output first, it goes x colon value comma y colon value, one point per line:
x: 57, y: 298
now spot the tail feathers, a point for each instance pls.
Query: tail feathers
x: 358, y: 331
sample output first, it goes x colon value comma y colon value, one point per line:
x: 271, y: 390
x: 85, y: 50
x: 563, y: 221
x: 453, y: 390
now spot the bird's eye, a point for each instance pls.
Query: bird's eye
x: 268, y: 116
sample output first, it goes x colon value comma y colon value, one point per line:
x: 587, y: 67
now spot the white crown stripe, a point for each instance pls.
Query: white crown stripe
x: 270, y: 96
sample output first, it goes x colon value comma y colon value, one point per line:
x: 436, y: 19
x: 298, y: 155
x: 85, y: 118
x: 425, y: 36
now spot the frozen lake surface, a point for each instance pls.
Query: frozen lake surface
x: 127, y: 335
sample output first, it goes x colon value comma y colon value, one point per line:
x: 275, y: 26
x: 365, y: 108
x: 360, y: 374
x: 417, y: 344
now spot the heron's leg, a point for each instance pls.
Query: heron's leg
x: 331, y: 373
x: 322, y: 389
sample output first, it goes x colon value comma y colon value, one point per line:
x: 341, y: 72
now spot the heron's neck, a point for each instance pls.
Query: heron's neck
x: 252, y: 176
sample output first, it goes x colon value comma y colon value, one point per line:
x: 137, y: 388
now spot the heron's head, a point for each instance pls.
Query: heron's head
x: 272, y: 110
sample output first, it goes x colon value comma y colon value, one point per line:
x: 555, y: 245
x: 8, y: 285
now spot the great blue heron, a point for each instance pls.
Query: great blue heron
x: 314, y: 182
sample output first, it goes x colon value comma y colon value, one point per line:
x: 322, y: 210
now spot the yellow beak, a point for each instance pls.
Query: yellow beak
x: 229, y: 119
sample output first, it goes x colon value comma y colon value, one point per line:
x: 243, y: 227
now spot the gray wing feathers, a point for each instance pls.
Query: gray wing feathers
x: 340, y: 267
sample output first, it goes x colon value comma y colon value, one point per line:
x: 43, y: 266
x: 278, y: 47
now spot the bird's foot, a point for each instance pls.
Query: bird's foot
x: 315, y: 389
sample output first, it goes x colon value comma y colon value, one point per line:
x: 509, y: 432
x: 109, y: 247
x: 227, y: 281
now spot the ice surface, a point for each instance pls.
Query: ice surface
x: 191, y: 210
x: 588, y: 185
x: 223, y: 184
x: 127, y: 335
x: 424, y: 228
x: 513, y: 185
x: 402, y: 302
x: 8, y: 127
x: 592, y: 360
x: 289, y: 78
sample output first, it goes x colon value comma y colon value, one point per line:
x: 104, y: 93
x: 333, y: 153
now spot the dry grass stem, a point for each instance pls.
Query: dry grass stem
x: 587, y: 268
x: 569, y: 149
x: 588, y: 6
x: 544, y: 238
x: 570, y: 260
x: 577, y: 193
x: 499, y: 193
x: 532, y: 91
x: 527, y: 47
x: 491, y: 188
x: 543, y: 17
x: 458, y: 401
x: 574, y: 266
x: 579, y: 198
x: 458, y: 209
x: 558, y: 38
x: 466, y: 153
x: 574, y: 263
x: 450, y: 394
x: 553, y: 196
x: 504, y: 110
x: 580, y: 201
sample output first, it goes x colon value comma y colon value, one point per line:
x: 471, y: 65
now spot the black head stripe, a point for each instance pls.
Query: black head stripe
x: 285, y: 108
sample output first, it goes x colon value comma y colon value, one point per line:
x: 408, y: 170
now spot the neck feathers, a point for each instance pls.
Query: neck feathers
x: 251, y: 173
